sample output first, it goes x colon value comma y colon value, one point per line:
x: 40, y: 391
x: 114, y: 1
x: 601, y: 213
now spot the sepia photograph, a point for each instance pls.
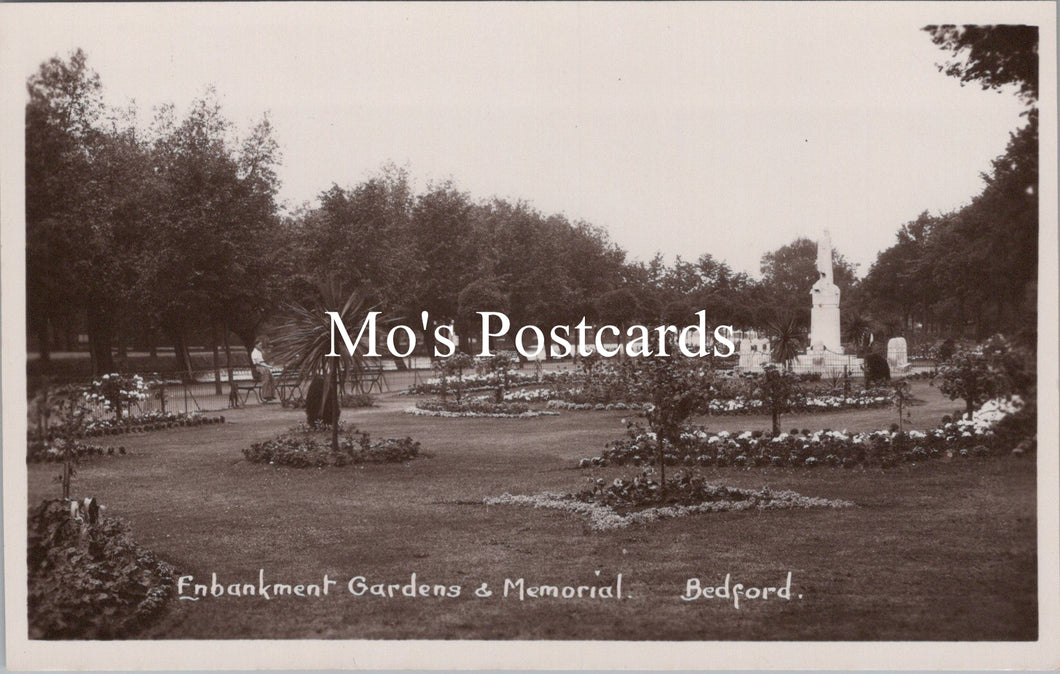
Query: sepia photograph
x: 530, y: 335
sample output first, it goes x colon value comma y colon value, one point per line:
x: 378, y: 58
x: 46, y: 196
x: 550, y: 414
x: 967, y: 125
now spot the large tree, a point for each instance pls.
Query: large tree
x: 789, y: 272
x: 63, y: 114
x: 993, y: 55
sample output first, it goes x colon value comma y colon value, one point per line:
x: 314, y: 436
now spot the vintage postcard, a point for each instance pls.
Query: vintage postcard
x: 530, y: 335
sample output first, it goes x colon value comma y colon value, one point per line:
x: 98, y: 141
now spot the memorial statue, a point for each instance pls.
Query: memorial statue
x: 824, y: 314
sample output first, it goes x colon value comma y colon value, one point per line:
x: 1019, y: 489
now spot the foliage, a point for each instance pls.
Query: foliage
x: 902, y: 397
x: 785, y: 340
x: 673, y: 388
x: 303, y: 341
x: 476, y: 407
x: 876, y: 368
x: 642, y: 500
x: 499, y: 368
x: 305, y: 447
x: 995, y: 56
x: 149, y: 421
x: 40, y: 451
x: 453, y: 366
x: 89, y: 580
x: 789, y: 272
x: 978, y: 374
x: 116, y: 392
x: 976, y: 266
x: 994, y: 431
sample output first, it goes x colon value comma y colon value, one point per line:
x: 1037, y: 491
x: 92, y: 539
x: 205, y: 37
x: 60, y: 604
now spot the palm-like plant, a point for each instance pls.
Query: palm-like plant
x: 303, y: 341
x: 784, y: 339
x: 859, y: 330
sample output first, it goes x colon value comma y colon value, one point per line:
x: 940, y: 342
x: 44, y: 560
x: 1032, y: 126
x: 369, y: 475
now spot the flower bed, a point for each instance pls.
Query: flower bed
x: 477, y: 382
x: 620, y: 503
x: 150, y: 421
x: 39, y: 451
x: 89, y: 580
x: 863, y: 399
x: 346, y: 401
x: 307, y: 446
x: 476, y: 407
x: 966, y: 437
x: 599, y: 407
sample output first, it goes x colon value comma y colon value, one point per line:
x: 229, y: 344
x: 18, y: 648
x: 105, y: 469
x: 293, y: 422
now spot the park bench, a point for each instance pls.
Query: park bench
x: 371, y: 376
x: 246, y: 387
x: 289, y: 386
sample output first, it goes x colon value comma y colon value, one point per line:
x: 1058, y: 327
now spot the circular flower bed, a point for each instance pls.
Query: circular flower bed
x: 307, y: 446
x: 89, y: 580
x: 476, y: 407
x: 966, y: 437
x: 641, y: 500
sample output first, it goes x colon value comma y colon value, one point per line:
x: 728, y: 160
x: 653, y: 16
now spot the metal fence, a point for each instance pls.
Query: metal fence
x: 200, y: 391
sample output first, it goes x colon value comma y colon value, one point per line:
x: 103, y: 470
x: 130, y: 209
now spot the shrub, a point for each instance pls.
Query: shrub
x: 876, y: 368
x: 306, y: 446
x: 89, y: 580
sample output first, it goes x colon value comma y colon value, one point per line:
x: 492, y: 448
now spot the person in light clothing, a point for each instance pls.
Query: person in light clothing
x: 264, y: 371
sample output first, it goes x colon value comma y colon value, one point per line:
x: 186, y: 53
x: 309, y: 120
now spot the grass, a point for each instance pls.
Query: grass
x: 939, y: 551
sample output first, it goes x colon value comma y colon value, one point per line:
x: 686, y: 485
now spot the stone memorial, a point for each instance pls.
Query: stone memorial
x: 824, y: 313
x: 897, y: 354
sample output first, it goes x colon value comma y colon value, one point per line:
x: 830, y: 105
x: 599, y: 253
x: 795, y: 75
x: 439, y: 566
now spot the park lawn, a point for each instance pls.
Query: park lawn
x: 939, y: 551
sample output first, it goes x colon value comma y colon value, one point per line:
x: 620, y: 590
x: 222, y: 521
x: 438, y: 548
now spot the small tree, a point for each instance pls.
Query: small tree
x: 972, y: 376
x: 675, y: 389
x: 453, y: 366
x: 902, y: 397
x: 66, y: 407
x: 776, y: 389
x: 499, y: 366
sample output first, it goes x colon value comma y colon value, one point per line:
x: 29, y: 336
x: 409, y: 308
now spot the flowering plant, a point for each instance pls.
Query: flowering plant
x: 115, y: 392
x: 619, y: 504
x: 972, y: 435
x: 306, y: 446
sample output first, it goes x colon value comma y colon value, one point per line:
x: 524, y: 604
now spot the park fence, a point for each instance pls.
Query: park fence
x: 201, y: 391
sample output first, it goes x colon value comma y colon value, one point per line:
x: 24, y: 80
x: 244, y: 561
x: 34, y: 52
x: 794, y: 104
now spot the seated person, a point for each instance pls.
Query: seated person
x: 268, y: 386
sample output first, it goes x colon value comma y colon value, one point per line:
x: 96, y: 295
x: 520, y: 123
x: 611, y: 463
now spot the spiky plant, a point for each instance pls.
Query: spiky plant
x: 784, y: 339
x: 303, y: 340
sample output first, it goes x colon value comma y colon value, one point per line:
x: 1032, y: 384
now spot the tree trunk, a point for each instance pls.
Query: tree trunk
x: 228, y: 353
x: 180, y: 351
x: 338, y: 409
x: 99, y: 336
x: 44, y: 346
x: 216, y: 360
x: 776, y: 422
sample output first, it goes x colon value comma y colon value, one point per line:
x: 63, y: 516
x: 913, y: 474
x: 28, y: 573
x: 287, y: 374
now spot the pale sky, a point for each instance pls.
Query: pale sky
x: 681, y: 128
